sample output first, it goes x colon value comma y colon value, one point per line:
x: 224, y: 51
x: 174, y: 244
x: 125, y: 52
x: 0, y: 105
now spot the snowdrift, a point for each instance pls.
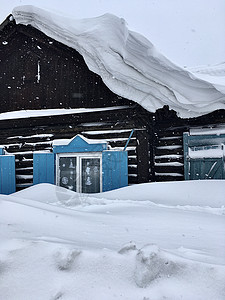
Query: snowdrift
x: 58, y: 244
x: 128, y: 63
x: 193, y: 193
x: 115, y: 247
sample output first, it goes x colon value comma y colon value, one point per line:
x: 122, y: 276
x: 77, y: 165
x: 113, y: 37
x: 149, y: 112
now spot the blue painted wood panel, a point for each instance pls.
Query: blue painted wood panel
x: 2, y: 151
x: 44, y: 168
x: 114, y: 170
x: 114, y: 163
x: 205, y: 139
x: 203, y: 167
x: 7, y: 176
x: 79, y: 144
x: 207, y: 168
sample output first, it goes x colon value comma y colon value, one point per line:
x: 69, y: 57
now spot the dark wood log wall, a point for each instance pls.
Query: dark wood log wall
x: 155, y: 151
x: 38, y: 72
x: 24, y: 136
x: 167, y: 141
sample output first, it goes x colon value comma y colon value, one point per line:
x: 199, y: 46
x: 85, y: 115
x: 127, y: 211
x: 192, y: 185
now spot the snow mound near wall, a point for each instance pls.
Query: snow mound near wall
x: 200, y: 193
x: 117, y: 249
x: 127, y: 62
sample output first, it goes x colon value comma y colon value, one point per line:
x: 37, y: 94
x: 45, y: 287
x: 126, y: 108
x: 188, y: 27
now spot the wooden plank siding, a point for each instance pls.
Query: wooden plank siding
x: 24, y: 136
x: 155, y: 151
x: 169, y: 155
x: 37, y: 72
x: 166, y: 146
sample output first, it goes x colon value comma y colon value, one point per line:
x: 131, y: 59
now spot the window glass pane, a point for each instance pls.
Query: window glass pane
x: 90, y: 175
x: 67, y: 171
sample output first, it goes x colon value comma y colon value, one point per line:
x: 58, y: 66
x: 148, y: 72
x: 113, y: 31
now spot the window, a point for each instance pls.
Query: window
x: 68, y: 172
x: 79, y: 172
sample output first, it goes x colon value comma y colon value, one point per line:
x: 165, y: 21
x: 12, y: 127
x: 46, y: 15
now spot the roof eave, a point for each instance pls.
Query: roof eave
x: 8, y: 20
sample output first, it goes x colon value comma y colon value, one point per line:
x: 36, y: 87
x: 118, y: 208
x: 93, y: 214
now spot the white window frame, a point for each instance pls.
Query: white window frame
x: 79, y: 157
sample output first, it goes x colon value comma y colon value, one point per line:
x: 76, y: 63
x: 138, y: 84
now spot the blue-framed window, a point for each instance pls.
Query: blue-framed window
x: 79, y: 172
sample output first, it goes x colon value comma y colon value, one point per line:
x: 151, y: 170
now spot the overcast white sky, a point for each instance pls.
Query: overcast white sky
x: 188, y: 32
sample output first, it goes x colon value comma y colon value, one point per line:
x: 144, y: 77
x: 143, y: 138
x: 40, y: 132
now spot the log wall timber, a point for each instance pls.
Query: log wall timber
x: 167, y: 141
x: 24, y: 136
x: 37, y: 72
x: 169, y: 163
x: 155, y: 151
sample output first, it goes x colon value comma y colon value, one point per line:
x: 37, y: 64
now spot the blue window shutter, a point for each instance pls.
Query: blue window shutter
x: 44, y: 168
x: 2, y: 150
x: 8, y: 175
x: 114, y: 170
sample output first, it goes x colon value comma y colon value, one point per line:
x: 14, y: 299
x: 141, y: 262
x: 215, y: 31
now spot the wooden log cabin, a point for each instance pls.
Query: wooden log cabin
x: 40, y: 73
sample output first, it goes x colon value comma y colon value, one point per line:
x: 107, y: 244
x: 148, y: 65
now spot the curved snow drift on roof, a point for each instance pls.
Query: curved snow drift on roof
x: 214, y: 74
x: 127, y: 62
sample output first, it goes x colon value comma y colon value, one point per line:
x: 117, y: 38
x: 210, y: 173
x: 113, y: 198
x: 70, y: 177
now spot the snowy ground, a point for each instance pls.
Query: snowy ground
x: 145, y: 242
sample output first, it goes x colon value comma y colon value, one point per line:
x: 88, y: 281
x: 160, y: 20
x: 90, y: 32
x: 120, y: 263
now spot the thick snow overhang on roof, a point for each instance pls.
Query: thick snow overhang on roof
x: 128, y: 63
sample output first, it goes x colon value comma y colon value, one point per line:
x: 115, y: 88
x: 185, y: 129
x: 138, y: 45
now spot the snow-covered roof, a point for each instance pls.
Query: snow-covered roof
x: 214, y: 74
x: 128, y: 63
x: 20, y: 114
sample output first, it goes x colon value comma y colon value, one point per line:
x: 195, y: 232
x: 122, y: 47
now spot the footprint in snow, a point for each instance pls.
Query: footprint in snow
x: 65, y: 258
